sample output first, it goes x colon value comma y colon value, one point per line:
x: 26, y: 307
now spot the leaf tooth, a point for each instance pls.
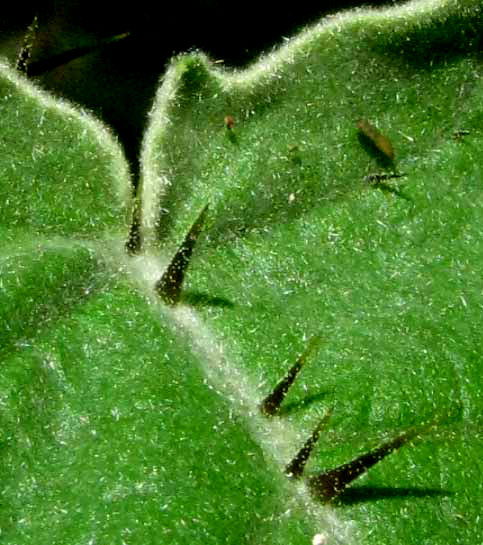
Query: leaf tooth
x: 271, y: 404
x: 330, y: 484
x: 296, y: 467
x: 169, y: 285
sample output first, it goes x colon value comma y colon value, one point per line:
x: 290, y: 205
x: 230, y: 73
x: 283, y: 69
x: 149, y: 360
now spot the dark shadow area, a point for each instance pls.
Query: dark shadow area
x: 378, y: 181
x: 386, y: 188
x: 48, y: 63
x: 198, y: 299
x: 118, y: 81
x: 436, y: 43
x: 302, y: 404
x: 360, y: 494
x: 330, y: 484
x: 232, y: 137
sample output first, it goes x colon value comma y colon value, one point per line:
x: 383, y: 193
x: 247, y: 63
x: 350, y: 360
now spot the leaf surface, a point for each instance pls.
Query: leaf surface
x: 128, y: 421
x: 298, y: 243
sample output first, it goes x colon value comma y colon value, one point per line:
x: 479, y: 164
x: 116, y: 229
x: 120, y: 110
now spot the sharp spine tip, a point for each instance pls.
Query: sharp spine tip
x: 330, y: 484
x: 170, y: 283
x: 296, y: 467
x: 270, y: 406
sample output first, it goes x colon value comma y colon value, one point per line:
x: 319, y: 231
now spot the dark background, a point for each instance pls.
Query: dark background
x: 117, y: 81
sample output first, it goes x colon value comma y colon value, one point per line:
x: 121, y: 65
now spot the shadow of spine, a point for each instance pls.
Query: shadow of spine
x: 328, y: 485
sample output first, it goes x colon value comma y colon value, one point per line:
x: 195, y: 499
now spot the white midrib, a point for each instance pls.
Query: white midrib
x: 275, y: 436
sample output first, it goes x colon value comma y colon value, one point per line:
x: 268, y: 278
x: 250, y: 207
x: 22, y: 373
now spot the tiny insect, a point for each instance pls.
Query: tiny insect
x: 229, y: 122
x: 379, y: 177
x: 381, y: 142
x: 458, y: 134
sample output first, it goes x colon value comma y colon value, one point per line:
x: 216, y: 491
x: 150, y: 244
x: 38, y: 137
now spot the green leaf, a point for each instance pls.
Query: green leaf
x: 299, y: 243
x: 109, y: 429
x: 124, y: 420
x: 63, y: 172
